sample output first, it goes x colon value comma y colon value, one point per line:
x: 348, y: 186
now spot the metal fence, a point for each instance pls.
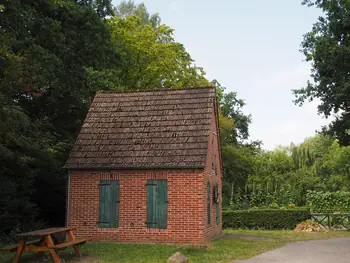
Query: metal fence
x: 333, y: 221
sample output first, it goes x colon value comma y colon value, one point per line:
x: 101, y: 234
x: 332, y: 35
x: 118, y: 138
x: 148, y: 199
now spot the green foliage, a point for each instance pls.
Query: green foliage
x: 129, y: 8
x: 103, y: 8
x: 283, y: 176
x: 237, y: 165
x: 263, y: 200
x: 45, y: 91
x: 329, y: 202
x: 150, y: 57
x: 231, y: 107
x: 326, y: 46
x: 264, y: 219
x: 237, y: 154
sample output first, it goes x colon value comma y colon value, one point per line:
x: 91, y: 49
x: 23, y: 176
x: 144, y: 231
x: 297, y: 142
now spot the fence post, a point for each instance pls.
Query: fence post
x: 329, y: 221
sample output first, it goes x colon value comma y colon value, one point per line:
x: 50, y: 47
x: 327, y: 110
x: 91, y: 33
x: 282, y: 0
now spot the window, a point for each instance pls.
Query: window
x: 217, y: 204
x: 212, y: 154
x: 157, y: 204
x: 108, y: 204
x: 208, y: 202
x: 216, y: 167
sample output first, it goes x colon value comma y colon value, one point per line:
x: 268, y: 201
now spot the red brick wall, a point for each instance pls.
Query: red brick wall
x: 185, y: 207
x: 213, y: 230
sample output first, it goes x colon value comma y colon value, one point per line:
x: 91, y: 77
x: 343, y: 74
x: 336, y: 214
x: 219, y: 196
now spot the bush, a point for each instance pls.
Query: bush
x: 329, y: 202
x: 265, y: 219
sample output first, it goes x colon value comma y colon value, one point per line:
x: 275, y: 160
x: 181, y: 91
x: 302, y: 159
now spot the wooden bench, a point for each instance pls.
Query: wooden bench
x: 74, y: 242
x: 12, y: 248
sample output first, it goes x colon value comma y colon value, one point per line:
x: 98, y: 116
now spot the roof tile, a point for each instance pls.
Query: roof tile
x: 148, y: 129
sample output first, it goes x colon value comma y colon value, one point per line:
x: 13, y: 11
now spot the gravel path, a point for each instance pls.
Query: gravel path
x: 317, y: 251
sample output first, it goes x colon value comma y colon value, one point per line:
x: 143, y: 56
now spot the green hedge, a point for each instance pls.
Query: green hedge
x: 329, y: 202
x: 264, y: 219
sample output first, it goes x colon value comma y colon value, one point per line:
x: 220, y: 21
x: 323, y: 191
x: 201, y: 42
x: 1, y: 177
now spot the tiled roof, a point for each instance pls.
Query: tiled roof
x: 149, y: 129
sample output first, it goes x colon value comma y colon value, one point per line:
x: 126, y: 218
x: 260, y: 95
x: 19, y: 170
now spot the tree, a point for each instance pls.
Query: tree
x: 288, y: 173
x: 129, y: 8
x: 103, y: 8
x: 49, y: 54
x: 150, y: 58
x: 231, y: 107
x: 327, y: 47
x: 237, y: 154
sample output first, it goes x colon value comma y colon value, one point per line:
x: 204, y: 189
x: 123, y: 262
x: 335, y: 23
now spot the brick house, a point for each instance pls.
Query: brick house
x: 146, y: 168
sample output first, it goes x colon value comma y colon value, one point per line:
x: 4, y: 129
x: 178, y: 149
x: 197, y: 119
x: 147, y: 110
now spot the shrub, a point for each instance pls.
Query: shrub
x: 265, y: 219
x: 329, y: 202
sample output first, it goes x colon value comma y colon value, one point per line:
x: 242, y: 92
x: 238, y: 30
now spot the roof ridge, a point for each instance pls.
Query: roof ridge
x: 152, y: 90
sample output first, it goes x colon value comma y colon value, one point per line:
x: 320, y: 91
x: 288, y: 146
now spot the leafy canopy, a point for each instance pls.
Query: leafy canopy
x: 47, y: 47
x: 327, y: 47
x: 150, y: 58
x: 129, y: 8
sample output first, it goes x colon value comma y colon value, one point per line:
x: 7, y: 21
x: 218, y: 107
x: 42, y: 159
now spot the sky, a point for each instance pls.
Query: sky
x: 252, y: 48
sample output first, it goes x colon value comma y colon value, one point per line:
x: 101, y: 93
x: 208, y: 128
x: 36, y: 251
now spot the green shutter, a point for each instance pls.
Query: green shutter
x: 217, y: 213
x: 114, y: 204
x: 104, y: 216
x: 152, y: 221
x: 208, y: 202
x: 212, y: 153
x: 162, y: 203
x: 109, y: 204
x: 117, y: 204
x: 217, y: 206
x: 157, y: 205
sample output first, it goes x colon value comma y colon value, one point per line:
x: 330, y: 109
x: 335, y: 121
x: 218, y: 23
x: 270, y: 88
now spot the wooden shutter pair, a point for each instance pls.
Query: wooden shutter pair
x: 157, y: 204
x: 109, y: 204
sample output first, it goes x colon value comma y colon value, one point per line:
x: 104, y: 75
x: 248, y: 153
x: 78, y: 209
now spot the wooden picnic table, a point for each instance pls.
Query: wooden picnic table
x: 46, y: 242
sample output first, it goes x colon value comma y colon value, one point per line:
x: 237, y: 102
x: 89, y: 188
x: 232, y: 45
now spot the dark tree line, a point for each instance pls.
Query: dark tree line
x: 45, y: 91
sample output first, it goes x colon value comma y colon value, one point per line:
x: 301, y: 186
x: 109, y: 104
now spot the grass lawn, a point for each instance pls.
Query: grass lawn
x: 221, y: 250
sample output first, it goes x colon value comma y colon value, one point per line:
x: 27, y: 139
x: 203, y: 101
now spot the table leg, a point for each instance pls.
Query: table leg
x: 76, y: 248
x: 41, y: 254
x: 19, y: 250
x: 49, y: 242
